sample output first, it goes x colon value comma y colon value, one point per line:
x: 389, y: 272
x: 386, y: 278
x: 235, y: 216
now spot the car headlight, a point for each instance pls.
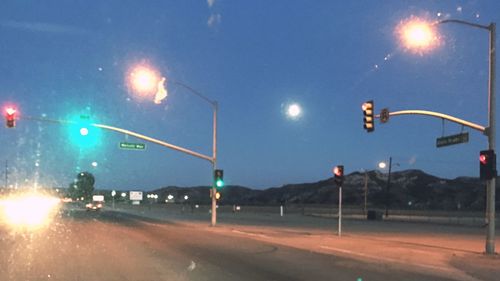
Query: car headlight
x: 29, y: 211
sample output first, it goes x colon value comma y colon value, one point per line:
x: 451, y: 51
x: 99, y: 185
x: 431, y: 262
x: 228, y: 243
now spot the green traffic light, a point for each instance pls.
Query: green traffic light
x: 218, y: 178
x: 219, y: 183
x: 84, y: 131
x: 83, y: 134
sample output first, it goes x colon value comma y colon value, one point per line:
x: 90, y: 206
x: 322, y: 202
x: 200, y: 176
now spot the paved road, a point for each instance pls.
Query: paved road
x: 443, y: 250
x: 109, y: 245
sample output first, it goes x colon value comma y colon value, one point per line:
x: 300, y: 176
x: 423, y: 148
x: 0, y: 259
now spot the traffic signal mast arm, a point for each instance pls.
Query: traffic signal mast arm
x: 153, y: 140
x: 474, y: 126
x: 134, y: 134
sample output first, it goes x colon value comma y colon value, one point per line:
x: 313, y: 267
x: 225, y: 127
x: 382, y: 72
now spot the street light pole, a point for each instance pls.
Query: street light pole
x: 214, y: 165
x: 414, y: 38
x: 145, y: 79
x: 366, y: 192
x: 491, y: 184
x: 6, y: 173
x: 215, y: 107
x: 490, y: 131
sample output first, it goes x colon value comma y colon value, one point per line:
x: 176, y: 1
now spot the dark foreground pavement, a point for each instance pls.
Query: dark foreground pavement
x: 109, y: 245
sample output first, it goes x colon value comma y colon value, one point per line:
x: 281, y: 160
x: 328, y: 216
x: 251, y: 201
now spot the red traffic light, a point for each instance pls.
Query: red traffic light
x: 10, y: 117
x: 10, y: 111
x: 483, y: 159
x: 487, y: 164
x: 338, y: 171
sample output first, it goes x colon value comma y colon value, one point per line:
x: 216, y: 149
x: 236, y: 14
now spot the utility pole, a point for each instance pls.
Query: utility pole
x: 388, y: 190
x: 6, y: 173
x: 366, y: 192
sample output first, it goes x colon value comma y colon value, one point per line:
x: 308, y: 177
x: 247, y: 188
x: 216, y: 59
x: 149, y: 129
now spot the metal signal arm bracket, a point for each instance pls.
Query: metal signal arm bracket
x: 474, y: 126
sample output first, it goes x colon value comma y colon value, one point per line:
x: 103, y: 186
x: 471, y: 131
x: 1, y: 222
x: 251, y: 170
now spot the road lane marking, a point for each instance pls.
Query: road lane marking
x: 249, y: 233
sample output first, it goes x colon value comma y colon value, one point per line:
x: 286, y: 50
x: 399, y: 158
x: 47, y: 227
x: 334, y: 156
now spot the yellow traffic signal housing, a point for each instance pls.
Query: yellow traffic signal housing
x: 369, y: 118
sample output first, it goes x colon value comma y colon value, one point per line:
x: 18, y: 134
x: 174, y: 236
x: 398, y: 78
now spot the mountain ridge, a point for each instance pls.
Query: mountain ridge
x: 408, y: 189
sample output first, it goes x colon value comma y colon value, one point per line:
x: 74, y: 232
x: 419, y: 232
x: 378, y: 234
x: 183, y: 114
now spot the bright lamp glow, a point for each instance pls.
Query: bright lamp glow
x: 29, y: 211
x: 417, y: 35
x: 143, y: 80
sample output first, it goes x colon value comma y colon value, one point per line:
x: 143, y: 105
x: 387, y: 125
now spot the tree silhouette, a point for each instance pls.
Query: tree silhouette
x: 83, y: 186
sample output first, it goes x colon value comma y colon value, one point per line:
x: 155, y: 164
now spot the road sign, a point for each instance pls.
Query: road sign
x: 133, y: 146
x: 135, y: 195
x: 384, y: 115
x: 453, y: 139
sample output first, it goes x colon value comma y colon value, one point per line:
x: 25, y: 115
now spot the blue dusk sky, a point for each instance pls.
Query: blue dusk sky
x: 64, y: 59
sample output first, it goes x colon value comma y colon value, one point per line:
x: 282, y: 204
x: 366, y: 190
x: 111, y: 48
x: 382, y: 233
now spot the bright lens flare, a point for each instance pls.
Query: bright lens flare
x: 417, y: 35
x: 144, y: 80
x: 29, y: 211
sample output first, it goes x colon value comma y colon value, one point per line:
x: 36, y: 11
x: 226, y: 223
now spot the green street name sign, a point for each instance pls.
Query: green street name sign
x: 453, y: 139
x: 133, y: 146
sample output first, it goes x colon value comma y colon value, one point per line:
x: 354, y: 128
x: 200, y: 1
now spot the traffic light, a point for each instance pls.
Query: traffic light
x: 369, y: 118
x: 338, y: 173
x: 487, y: 164
x: 217, y: 195
x: 10, y: 117
x: 219, y: 178
x: 82, y: 133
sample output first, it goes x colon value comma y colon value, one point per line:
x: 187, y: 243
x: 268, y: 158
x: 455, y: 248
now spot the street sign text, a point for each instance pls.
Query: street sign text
x: 134, y: 146
x: 453, y: 139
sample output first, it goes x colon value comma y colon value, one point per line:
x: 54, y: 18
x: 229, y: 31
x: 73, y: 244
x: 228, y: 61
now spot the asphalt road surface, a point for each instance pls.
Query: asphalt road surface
x: 109, y: 245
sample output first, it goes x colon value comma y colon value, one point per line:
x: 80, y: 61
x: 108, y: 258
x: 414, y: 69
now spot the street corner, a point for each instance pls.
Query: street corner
x: 477, y: 265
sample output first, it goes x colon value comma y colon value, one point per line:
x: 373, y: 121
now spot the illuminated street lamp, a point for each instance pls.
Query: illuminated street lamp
x: 420, y: 35
x: 143, y: 80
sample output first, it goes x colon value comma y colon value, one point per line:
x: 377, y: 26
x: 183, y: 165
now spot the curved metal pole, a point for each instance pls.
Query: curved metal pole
x: 213, y: 103
x: 465, y: 23
x: 153, y: 140
x: 128, y: 132
x: 480, y: 128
